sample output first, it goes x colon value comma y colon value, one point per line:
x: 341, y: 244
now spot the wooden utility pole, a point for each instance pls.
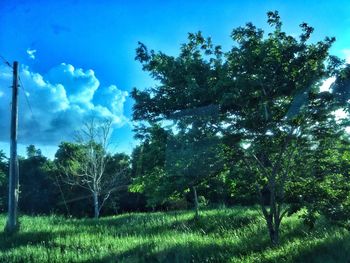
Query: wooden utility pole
x: 12, y: 222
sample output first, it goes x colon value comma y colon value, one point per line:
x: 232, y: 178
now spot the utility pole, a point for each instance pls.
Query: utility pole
x: 12, y: 221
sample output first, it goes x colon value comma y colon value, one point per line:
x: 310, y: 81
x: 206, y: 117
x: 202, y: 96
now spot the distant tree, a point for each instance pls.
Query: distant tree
x: 87, y: 169
x: 71, y: 198
x: 32, y: 151
x: 119, y: 165
x: 36, y: 185
x: 323, y: 170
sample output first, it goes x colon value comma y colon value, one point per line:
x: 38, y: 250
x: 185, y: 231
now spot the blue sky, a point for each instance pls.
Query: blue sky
x: 96, y: 41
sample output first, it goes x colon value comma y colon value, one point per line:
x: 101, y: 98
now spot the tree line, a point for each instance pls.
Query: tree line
x: 247, y: 126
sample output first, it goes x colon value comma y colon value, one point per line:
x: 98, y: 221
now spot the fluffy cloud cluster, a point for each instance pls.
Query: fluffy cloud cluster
x: 61, y: 101
x: 31, y: 53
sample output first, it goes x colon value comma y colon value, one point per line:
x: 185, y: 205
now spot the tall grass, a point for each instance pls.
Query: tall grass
x: 220, y: 235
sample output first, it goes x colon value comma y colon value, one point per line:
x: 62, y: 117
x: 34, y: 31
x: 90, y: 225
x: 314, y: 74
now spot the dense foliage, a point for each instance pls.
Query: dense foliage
x: 261, y: 105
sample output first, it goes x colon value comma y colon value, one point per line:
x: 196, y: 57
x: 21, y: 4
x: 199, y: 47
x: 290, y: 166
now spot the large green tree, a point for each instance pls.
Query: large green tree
x: 276, y: 106
x: 263, y: 95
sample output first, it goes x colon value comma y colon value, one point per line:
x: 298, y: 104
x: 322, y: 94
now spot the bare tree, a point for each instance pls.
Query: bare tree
x: 89, y: 173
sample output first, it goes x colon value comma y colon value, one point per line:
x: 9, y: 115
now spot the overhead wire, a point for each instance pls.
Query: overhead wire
x: 5, y: 61
x: 21, y: 86
x: 26, y: 97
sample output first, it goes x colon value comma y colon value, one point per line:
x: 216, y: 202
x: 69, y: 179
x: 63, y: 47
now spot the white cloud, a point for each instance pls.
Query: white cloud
x: 31, y: 53
x: 80, y: 85
x: 112, y: 97
x: 60, y: 101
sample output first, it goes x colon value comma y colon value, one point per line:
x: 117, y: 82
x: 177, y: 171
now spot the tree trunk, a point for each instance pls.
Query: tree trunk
x: 273, y: 225
x: 276, y: 238
x: 96, y: 208
x: 272, y: 217
x: 196, y: 206
x: 273, y: 233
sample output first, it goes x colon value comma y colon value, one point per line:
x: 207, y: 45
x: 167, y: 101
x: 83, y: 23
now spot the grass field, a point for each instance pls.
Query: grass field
x: 221, y: 235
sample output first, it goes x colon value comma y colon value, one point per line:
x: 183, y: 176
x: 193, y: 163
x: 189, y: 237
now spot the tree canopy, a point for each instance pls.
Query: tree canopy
x: 262, y: 93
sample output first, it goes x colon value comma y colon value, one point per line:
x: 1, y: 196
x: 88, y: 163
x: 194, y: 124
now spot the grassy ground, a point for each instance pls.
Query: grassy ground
x: 221, y: 235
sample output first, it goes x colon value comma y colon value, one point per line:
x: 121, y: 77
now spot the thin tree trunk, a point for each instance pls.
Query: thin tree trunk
x: 274, y: 229
x: 274, y: 232
x: 276, y: 237
x: 272, y: 218
x: 196, y: 205
x: 96, y: 208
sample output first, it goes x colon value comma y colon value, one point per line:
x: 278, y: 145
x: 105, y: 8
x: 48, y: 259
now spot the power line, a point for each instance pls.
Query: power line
x: 26, y: 96
x: 5, y: 61
x: 21, y: 86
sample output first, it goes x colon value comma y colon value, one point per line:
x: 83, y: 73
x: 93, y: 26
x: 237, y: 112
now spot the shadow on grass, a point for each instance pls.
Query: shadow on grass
x: 42, y: 238
x: 330, y: 250
x: 178, y: 253
x: 8, y: 242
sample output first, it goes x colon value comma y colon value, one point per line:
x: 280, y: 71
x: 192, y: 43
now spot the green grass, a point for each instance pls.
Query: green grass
x: 221, y: 235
